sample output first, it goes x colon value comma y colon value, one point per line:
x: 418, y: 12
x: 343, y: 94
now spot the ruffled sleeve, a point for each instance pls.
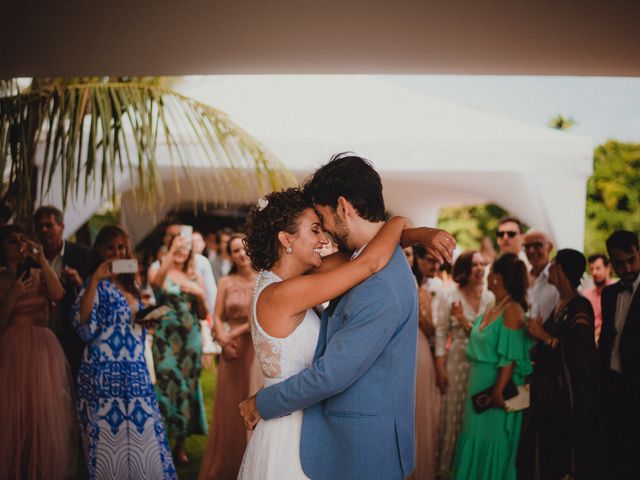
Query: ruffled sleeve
x: 513, y: 346
x: 91, y: 329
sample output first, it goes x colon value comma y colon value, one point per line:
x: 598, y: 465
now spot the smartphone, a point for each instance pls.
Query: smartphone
x: 127, y: 265
x: 186, y: 231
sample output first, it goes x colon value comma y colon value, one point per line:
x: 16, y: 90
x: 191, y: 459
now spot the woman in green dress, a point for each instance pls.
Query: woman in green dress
x: 498, y: 350
x: 177, y: 345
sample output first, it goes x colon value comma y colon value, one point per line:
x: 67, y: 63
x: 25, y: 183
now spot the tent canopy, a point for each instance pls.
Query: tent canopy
x: 430, y: 153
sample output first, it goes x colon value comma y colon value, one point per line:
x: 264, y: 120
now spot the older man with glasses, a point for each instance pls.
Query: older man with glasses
x: 542, y: 295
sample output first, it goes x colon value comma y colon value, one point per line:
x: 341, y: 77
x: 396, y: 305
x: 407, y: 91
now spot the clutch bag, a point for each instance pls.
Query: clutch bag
x: 482, y: 400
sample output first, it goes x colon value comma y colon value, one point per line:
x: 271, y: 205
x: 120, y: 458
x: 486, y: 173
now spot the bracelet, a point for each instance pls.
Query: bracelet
x: 551, y: 342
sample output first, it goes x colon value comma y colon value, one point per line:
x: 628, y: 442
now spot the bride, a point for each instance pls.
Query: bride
x: 284, y: 240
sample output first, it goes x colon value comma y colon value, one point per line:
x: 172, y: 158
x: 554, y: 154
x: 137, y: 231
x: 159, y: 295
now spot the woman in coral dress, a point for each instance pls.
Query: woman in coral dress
x: 236, y: 372
x: 37, y: 424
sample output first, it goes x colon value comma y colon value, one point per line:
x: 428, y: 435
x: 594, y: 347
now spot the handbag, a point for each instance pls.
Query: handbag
x: 209, y: 345
x: 482, y: 400
x: 520, y: 401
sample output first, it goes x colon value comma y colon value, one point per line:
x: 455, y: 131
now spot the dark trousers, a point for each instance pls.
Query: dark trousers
x: 619, y: 427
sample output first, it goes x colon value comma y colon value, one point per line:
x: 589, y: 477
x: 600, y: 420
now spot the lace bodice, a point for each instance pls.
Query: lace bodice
x: 280, y: 358
x: 446, y: 324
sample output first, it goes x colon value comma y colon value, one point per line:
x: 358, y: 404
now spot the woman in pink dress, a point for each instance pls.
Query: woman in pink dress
x: 37, y: 424
x: 237, y: 370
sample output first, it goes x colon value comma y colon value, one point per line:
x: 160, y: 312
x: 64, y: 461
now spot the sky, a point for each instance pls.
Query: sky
x: 603, y: 108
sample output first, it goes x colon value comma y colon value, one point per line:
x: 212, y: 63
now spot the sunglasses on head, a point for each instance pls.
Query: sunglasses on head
x: 508, y: 233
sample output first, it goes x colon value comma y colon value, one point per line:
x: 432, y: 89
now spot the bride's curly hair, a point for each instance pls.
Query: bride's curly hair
x: 277, y: 212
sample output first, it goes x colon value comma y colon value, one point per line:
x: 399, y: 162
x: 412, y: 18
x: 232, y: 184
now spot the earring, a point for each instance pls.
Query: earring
x: 289, y: 250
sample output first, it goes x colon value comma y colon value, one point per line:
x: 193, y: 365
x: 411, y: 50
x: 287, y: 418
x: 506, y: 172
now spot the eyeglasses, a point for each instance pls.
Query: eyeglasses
x: 534, y: 246
x: 508, y: 233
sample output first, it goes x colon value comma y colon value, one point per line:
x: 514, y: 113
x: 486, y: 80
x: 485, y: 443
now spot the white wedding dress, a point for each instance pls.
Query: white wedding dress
x: 273, y: 452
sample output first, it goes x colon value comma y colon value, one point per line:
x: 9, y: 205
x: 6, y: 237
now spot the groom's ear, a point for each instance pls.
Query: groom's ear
x: 344, y: 208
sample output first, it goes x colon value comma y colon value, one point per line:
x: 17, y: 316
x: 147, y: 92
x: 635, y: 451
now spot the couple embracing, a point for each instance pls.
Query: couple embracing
x: 339, y: 396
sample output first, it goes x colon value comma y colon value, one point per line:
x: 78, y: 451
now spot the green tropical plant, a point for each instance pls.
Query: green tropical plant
x: 90, y: 130
x: 561, y: 122
x: 613, y: 193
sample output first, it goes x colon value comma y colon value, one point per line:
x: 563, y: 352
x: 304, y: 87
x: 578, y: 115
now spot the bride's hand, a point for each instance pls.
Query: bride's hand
x: 249, y: 412
x: 439, y: 243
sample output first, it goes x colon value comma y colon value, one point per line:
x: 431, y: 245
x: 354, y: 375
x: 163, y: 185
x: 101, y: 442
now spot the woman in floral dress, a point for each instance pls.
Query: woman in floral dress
x: 177, y: 345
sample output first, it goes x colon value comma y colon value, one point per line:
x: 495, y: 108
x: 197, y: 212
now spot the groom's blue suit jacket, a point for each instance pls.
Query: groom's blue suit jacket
x: 359, y: 395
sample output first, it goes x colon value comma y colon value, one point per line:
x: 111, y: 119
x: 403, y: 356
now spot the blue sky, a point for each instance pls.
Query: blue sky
x: 603, y: 108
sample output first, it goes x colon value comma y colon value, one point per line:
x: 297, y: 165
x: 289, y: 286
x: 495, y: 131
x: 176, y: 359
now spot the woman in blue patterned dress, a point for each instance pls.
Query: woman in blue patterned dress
x: 119, y: 417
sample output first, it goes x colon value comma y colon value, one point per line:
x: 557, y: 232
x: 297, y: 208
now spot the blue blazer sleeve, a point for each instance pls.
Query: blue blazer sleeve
x: 372, y: 316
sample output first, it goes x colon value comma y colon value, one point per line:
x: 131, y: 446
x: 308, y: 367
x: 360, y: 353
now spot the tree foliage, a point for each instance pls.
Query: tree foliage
x: 469, y: 224
x: 613, y: 202
x: 613, y: 193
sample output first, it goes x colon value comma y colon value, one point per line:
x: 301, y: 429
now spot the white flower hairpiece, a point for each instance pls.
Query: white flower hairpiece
x: 262, y: 204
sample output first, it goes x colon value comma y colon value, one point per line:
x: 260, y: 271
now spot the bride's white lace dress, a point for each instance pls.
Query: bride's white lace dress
x: 274, y: 450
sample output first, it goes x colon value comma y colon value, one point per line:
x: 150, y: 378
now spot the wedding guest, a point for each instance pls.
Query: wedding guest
x: 237, y: 368
x: 487, y: 250
x: 425, y: 269
x: 120, y: 421
x: 543, y: 295
x: 600, y: 271
x: 202, y: 265
x: 563, y: 387
x: 499, y: 351
x: 6, y: 214
x: 427, y: 395
x: 37, y: 421
x: 619, y: 356
x: 198, y: 243
x: 222, y: 263
x: 510, y: 235
x: 70, y: 261
x: 212, y: 246
x: 457, y: 311
x: 177, y: 345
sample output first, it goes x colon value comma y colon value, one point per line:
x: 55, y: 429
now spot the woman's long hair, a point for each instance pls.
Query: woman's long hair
x: 514, y: 275
x: 106, y: 235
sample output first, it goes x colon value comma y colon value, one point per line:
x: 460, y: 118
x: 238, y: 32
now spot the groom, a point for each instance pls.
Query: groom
x: 359, y: 394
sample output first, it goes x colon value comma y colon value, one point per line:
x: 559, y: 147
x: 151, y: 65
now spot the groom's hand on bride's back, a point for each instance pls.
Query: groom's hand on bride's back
x: 249, y: 412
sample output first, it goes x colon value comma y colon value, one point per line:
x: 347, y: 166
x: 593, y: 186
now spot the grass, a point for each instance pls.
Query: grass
x: 196, y: 444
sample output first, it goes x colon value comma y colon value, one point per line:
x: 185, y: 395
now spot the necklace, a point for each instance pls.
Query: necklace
x: 493, y: 310
x: 500, y: 304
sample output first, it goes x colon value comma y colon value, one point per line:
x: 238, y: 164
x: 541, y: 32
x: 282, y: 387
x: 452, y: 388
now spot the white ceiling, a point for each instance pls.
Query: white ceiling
x: 162, y: 37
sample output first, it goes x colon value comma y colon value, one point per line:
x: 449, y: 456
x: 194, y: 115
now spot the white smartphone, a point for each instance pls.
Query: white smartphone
x: 186, y: 231
x: 127, y: 265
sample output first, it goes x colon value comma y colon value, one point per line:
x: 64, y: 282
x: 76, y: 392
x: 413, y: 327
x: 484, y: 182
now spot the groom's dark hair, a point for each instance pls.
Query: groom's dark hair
x: 352, y: 177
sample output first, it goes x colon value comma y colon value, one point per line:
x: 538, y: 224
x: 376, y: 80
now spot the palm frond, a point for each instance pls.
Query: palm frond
x: 91, y: 132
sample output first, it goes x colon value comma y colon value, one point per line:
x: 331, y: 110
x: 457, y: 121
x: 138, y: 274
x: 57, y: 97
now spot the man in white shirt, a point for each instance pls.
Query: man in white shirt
x: 542, y: 296
x: 619, y: 357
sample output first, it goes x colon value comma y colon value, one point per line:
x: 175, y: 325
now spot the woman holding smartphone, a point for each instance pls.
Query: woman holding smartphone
x: 177, y: 345
x: 37, y: 423
x: 120, y: 422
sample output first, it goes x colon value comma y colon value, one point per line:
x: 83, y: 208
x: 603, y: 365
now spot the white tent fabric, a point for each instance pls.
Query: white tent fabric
x: 430, y: 153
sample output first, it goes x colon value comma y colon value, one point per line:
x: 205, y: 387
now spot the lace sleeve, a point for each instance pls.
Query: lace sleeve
x: 268, y: 349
